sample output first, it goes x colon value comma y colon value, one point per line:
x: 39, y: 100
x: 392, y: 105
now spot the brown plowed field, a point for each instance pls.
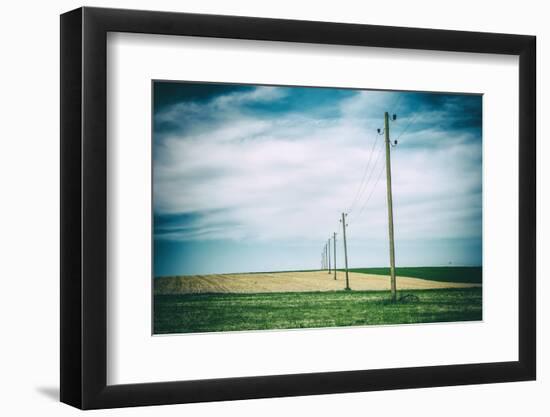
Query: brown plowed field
x: 291, y: 282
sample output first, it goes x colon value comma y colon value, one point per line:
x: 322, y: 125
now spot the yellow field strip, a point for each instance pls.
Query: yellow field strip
x: 291, y: 282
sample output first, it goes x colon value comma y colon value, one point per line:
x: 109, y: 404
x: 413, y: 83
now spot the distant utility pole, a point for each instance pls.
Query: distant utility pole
x: 334, y: 247
x: 390, y: 206
x: 328, y: 248
x: 345, y: 249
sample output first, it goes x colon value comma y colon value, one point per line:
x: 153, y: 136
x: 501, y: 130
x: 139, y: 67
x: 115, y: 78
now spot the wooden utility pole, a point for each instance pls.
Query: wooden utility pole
x: 390, y: 207
x: 345, y: 249
x: 328, y: 253
x: 334, y: 247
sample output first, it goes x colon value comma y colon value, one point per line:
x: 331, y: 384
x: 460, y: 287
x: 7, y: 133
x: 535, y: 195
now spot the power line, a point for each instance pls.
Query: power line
x: 368, y: 169
x: 363, y: 187
x: 367, y: 166
x: 378, y: 158
x: 412, y: 119
x: 373, y: 188
x: 382, y: 167
x: 396, y: 103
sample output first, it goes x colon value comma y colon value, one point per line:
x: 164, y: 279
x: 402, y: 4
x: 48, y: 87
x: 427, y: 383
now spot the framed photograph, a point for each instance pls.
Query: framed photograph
x: 256, y: 208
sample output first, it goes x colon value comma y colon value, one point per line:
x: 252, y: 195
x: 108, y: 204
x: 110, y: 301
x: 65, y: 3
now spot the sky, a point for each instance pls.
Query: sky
x: 255, y: 178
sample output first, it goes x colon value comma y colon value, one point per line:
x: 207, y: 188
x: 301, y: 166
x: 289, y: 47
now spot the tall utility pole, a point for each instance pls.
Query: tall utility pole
x: 334, y: 247
x: 345, y: 249
x: 328, y: 246
x: 390, y: 206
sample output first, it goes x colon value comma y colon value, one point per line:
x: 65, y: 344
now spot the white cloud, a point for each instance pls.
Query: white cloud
x: 290, y: 177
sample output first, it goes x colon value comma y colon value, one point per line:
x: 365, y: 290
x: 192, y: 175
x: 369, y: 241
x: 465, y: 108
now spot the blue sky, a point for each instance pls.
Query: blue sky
x: 255, y: 178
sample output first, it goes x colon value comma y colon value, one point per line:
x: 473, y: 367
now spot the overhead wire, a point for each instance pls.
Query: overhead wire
x: 395, y: 105
x: 364, y: 185
x: 372, y: 170
x: 360, y: 190
x: 372, y: 190
x: 411, y: 120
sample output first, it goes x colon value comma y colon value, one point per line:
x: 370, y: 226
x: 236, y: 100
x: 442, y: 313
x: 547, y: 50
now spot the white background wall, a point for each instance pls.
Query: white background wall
x: 29, y: 174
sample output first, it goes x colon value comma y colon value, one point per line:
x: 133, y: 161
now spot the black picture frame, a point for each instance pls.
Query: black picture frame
x: 84, y: 207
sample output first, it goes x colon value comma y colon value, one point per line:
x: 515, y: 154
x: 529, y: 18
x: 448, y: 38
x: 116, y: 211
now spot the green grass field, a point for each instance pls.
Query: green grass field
x: 293, y: 310
x: 466, y: 274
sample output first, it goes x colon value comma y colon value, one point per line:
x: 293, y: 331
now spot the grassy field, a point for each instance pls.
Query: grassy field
x: 466, y: 274
x: 190, y: 313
